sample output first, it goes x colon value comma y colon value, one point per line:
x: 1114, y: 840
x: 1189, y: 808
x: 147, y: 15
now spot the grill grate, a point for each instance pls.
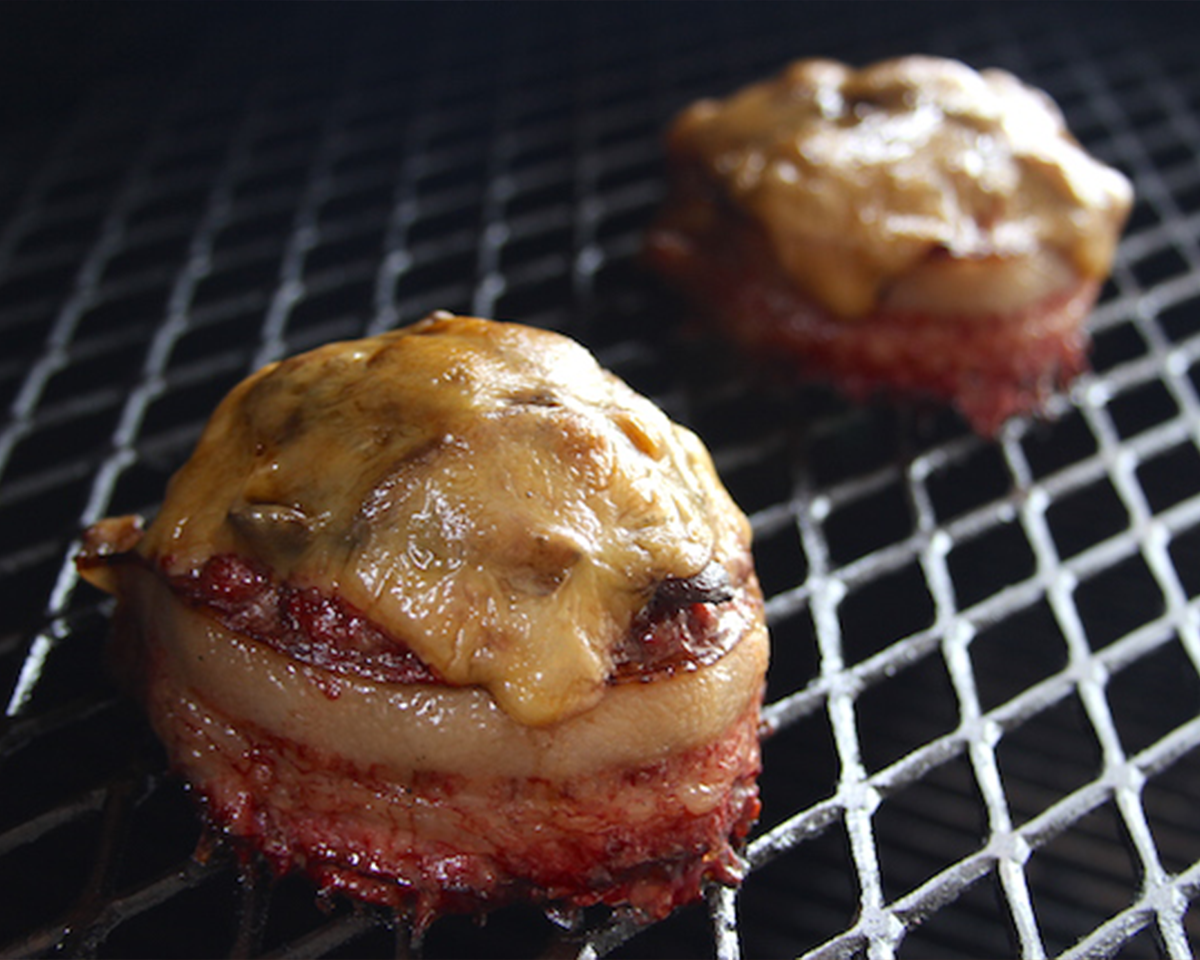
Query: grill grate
x: 985, y: 691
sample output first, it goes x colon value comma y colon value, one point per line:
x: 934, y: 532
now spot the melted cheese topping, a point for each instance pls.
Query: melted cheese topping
x: 483, y: 491
x: 858, y: 176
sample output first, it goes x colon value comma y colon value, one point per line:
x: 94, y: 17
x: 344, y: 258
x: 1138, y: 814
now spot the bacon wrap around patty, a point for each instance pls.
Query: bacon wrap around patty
x: 990, y: 367
x: 673, y: 632
x: 646, y: 835
x: 433, y: 844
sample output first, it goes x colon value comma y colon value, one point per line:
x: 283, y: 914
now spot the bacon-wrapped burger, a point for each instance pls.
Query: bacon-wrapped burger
x: 450, y: 617
x: 915, y: 228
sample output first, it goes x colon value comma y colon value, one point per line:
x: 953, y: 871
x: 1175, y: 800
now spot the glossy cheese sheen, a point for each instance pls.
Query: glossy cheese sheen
x: 858, y: 175
x: 484, y: 491
x: 417, y: 727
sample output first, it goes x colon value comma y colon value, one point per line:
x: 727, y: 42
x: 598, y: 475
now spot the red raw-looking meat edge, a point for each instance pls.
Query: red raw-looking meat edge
x: 989, y: 366
x: 431, y: 843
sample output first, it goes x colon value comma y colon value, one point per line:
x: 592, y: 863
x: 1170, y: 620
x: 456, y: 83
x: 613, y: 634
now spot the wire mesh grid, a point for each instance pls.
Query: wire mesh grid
x: 985, y: 690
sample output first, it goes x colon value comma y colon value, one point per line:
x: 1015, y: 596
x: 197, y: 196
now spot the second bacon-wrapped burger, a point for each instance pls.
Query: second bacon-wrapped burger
x: 914, y: 228
x: 451, y: 617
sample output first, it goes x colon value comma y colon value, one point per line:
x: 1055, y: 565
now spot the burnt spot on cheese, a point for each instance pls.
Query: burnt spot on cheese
x: 710, y: 585
x: 689, y: 622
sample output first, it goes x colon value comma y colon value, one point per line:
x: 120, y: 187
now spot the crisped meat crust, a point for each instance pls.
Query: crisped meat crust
x: 433, y: 843
x: 418, y: 829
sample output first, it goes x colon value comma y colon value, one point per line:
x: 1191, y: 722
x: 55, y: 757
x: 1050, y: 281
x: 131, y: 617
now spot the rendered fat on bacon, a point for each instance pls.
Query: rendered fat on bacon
x: 914, y: 228
x: 450, y: 618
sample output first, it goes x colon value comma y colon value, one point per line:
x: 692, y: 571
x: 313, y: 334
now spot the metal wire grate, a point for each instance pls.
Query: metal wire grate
x: 985, y: 685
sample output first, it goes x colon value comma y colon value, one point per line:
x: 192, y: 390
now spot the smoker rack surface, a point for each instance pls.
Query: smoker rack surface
x: 985, y: 676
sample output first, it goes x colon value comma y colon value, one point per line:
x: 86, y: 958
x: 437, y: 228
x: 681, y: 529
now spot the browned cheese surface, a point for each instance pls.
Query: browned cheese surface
x: 483, y: 491
x: 858, y: 176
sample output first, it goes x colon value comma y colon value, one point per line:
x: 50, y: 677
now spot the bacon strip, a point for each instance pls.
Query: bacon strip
x: 679, y: 629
